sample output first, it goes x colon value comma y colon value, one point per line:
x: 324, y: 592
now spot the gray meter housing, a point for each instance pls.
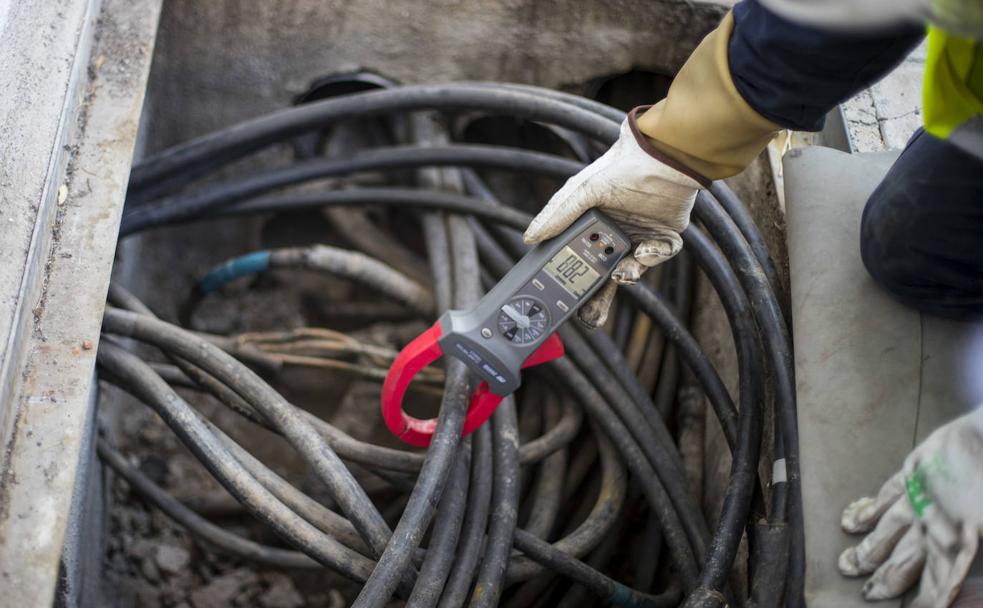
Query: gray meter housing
x: 530, y: 302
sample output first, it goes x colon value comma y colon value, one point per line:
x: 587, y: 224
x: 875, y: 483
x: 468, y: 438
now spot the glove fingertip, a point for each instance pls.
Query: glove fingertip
x: 652, y: 252
x: 874, y: 591
x: 628, y: 271
x: 594, y: 313
x: 847, y: 562
x: 856, y: 515
x: 544, y: 227
x: 592, y: 316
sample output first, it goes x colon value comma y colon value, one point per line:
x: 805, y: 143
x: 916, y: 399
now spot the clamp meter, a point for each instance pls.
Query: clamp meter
x: 513, y: 325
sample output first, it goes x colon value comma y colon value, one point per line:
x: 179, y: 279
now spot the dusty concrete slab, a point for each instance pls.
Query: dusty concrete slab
x: 884, y: 116
x: 38, y: 109
x: 72, y: 136
x: 857, y: 357
x: 240, y: 59
x: 874, y: 378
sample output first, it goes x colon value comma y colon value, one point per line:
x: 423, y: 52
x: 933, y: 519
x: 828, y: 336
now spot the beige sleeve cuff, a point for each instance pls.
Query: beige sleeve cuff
x: 704, y: 122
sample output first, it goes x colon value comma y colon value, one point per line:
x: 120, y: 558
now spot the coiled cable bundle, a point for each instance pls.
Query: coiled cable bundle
x: 488, y: 519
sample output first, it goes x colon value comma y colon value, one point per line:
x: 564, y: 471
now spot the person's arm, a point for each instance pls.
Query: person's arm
x: 752, y: 76
x: 757, y: 73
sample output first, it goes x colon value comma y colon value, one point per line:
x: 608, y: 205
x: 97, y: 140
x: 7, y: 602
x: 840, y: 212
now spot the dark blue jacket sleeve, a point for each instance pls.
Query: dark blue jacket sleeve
x: 794, y: 74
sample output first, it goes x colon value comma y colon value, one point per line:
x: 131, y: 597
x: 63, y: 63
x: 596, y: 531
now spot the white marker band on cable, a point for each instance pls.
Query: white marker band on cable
x: 778, y: 474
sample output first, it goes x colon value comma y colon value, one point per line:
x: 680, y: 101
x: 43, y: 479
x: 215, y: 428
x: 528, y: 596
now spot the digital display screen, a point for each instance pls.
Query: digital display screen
x: 571, y: 272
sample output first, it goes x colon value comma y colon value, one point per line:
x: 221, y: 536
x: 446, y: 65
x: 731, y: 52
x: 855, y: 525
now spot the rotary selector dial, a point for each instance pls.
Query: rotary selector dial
x: 523, y: 320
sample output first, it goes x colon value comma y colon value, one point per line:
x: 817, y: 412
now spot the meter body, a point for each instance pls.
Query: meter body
x: 530, y: 302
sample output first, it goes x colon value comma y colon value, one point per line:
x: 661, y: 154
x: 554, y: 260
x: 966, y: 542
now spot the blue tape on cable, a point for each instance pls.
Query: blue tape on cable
x: 241, y: 266
x: 621, y: 595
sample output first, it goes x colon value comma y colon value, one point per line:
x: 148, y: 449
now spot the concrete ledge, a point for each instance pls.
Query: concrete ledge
x: 72, y: 121
x: 873, y: 377
x: 857, y: 357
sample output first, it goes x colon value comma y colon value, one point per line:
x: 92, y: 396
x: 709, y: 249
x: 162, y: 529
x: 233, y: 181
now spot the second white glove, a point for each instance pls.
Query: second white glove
x: 926, y: 520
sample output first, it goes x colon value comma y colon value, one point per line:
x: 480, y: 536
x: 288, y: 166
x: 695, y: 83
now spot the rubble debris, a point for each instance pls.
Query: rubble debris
x: 171, y: 559
x: 281, y: 594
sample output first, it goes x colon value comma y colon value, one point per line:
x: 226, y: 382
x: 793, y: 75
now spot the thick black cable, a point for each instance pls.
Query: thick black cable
x: 691, y: 352
x: 736, y: 508
x: 682, y: 299
x: 547, y: 488
x: 421, y: 506
x: 601, y: 585
x: 443, y: 539
x: 317, y: 514
x: 358, y: 267
x: 658, y: 452
x: 215, y: 536
x: 183, y: 163
x: 137, y: 377
x: 356, y: 505
x: 475, y: 519
x: 599, y: 558
x: 215, y: 196
x: 777, y: 345
x: 445, y: 443
x: 592, y: 530
x: 504, y: 508
x: 593, y: 402
x: 749, y: 230
x: 505, y: 439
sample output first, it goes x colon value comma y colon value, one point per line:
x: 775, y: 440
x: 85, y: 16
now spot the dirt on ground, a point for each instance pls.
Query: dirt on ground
x: 151, y: 561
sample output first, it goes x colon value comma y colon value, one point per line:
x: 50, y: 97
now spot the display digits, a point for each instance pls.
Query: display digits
x: 572, y: 267
x: 572, y: 272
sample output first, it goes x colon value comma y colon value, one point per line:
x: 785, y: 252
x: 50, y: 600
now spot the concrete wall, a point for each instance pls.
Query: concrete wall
x: 224, y: 60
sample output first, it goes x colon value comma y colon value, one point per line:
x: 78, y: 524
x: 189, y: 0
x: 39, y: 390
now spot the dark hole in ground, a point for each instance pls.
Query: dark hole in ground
x: 629, y: 89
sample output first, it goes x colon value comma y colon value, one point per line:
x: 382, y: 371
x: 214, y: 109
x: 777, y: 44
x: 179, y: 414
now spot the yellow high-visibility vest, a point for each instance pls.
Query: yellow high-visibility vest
x: 952, y: 95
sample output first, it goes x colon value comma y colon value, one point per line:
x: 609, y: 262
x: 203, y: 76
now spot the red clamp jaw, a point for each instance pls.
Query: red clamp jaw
x: 421, y: 352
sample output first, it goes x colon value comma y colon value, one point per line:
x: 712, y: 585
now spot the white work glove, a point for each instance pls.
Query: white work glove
x: 636, y: 186
x: 928, y: 519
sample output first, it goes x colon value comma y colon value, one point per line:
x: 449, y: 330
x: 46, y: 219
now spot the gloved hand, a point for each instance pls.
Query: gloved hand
x: 926, y: 520
x: 648, y: 194
x: 703, y: 129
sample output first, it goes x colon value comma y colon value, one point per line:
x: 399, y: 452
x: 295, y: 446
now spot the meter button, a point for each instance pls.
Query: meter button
x: 486, y: 333
x: 538, y: 284
x: 562, y: 306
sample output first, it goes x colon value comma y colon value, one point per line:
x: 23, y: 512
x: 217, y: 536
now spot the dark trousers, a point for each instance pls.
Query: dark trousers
x: 921, y: 235
x: 922, y: 232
